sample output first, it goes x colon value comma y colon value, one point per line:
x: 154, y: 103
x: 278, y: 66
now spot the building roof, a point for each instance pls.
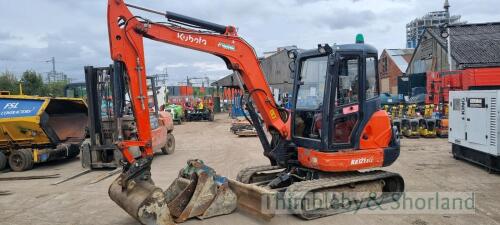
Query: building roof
x: 398, y: 57
x: 228, y: 81
x: 472, y: 45
x: 278, y: 50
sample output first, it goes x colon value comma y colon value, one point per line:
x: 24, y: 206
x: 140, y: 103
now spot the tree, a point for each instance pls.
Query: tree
x: 32, y: 83
x: 8, y: 82
x: 55, y: 89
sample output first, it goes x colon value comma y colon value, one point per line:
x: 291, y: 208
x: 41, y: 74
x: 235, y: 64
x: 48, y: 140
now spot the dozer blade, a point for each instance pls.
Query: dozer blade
x: 254, y: 199
x: 142, y: 200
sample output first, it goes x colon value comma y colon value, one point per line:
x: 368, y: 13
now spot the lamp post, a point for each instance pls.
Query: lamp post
x: 445, y: 33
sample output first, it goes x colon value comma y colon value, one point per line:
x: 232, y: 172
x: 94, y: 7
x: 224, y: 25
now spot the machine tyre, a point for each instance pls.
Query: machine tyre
x: 3, y: 161
x: 454, y: 149
x: 211, y: 117
x: 74, y: 151
x: 85, y: 154
x: 21, y: 160
x: 170, y: 145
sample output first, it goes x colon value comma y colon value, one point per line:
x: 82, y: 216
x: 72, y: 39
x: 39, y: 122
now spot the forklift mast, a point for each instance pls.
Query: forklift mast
x: 104, y: 94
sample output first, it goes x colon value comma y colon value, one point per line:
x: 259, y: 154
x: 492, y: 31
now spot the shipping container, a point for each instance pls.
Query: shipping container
x: 186, y: 90
x: 196, y: 91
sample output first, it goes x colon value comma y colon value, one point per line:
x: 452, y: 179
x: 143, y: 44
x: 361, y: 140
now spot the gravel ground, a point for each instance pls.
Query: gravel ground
x: 425, y: 164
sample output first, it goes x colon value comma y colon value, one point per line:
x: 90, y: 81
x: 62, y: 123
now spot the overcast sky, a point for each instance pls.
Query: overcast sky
x: 75, y: 31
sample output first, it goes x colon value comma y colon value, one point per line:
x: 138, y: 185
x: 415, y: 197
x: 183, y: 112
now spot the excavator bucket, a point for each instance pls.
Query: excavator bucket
x: 199, y: 197
x: 143, y: 201
x: 199, y: 192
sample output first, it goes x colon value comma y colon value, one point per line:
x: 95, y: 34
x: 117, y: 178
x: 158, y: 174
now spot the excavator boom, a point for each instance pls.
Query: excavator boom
x: 126, y: 33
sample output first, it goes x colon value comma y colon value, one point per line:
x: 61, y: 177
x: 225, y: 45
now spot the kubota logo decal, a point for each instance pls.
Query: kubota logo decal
x: 191, y: 39
x: 361, y: 161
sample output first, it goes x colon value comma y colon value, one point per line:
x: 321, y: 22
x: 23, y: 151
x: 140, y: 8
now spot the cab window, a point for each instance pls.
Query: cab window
x: 347, y: 91
x: 345, y: 115
x: 371, y: 78
x: 309, y: 105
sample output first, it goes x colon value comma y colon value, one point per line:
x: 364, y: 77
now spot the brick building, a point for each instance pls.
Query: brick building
x: 392, y: 64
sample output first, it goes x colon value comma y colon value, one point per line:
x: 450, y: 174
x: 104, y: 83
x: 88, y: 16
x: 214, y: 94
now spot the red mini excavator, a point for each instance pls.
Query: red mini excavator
x: 334, y: 130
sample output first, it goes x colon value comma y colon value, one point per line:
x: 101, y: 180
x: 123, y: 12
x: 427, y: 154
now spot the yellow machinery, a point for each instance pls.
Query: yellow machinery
x: 442, y: 123
x: 428, y: 111
x: 393, y: 112
x: 397, y: 116
x: 427, y: 124
x: 409, y: 125
x: 400, y: 111
x: 39, y: 129
x: 386, y: 108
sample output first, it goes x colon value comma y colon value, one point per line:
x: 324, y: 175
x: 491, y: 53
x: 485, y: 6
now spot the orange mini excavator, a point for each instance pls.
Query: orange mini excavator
x: 334, y: 130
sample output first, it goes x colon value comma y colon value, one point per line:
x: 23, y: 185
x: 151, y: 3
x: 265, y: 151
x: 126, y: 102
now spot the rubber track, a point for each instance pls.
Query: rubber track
x: 302, y: 188
x: 246, y: 174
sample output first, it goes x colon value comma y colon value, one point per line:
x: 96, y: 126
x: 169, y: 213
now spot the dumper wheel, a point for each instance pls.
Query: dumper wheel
x: 169, y: 147
x: 21, y: 160
x: 3, y: 161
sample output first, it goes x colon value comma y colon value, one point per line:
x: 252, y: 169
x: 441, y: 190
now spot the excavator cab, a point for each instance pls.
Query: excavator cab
x: 332, y: 86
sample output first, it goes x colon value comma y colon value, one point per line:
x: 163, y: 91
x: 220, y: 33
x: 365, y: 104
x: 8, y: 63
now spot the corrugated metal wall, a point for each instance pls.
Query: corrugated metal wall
x: 429, y: 56
x: 277, y: 72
